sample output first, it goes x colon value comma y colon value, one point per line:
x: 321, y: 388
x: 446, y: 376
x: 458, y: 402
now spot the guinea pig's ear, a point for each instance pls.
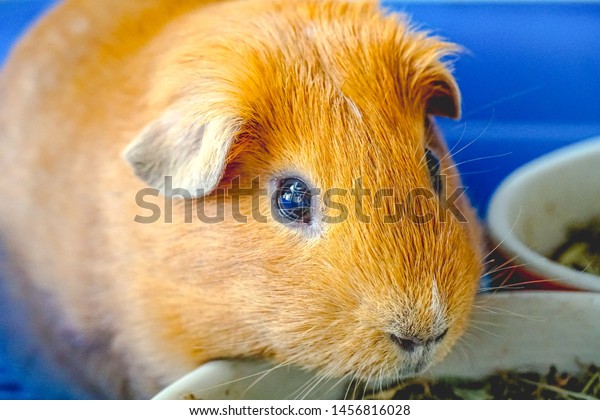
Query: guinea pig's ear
x: 443, y: 96
x: 191, y: 151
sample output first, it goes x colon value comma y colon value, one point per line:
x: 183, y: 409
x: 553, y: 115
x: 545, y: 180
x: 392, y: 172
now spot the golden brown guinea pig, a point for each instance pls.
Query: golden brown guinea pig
x: 283, y: 100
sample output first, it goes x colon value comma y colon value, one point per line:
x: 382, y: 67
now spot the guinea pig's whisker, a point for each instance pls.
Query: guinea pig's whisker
x: 485, y: 262
x: 464, y: 340
x: 462, y: 136
x: 488, y: 309
x: 489, y: 265
x: 451, y: 152
x: 468, y: 348
x: 305, y: 389
x: 516, y: 285
x: 378, y: 384
x: 311, y: 385
x: 260, y: 376
x: 521, y: 285
x: 380, y: 380
x: 503, y: 285
x: 503, y: 311
x: 500, y: 269
x: 422, y: 163
x: 506, y: 236
x: 490, y: 323
x: 265, y: 373
x: 470, y: 341
x: 466, y: 334
x: 208, y: 388
x: 502, y: 100
x: 492, y: 261
x: 465, y: 348
x: 364, y: 390
x: 317, y: 381
x: 484, y: 330
x: 496, y: 289
x: 351, y: 387
x: 458, y: 175
x: 346, y: 377
x: 477, y: 159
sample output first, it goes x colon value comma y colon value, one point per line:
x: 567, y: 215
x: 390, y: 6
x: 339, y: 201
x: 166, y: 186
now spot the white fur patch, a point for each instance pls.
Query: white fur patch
x: 310, y: 31
x: 353, y: 107
x: 79, y: 25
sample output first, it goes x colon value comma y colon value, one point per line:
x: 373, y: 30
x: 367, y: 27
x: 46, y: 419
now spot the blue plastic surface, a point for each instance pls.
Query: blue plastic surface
x: 530, y: 82
x: 15, y: 16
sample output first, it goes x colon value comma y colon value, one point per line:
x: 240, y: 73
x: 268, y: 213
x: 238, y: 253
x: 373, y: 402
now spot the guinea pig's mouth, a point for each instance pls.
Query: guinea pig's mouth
x: 411, y: 366
x: 384, y: 381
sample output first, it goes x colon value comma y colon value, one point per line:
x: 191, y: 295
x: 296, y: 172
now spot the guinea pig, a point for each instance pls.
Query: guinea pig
x: 185, y: 181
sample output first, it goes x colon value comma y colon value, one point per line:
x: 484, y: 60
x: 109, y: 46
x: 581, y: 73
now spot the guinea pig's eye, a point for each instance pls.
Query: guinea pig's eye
x: 433, y: 165
x: 293, y: 200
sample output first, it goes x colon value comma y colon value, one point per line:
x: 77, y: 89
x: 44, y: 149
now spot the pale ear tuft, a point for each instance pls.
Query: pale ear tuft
x: 193, y: 154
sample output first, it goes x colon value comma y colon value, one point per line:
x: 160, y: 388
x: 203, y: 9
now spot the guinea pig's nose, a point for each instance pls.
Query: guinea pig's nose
x: 410, y: 343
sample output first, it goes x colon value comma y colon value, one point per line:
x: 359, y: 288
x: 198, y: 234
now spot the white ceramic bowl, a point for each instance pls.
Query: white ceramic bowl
x: 517, y: 330
x: 252, y: 380
x: 532, y: 210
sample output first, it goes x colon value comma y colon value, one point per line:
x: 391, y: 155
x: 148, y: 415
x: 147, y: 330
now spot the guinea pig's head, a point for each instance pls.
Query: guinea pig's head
x: 356, y: 253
